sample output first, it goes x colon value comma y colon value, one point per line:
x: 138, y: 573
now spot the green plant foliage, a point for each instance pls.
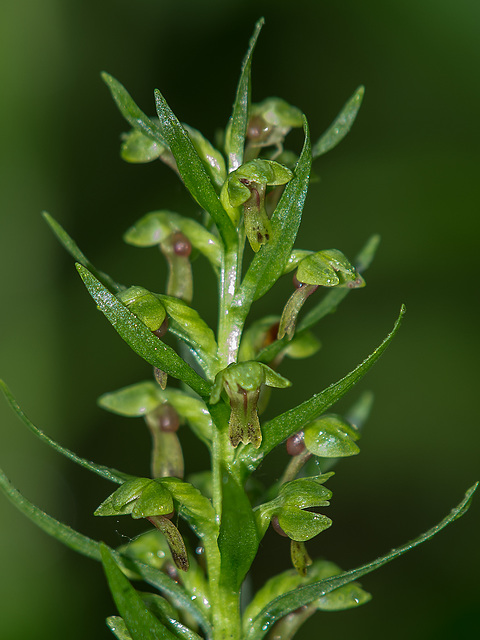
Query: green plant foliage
x: 203, y: 530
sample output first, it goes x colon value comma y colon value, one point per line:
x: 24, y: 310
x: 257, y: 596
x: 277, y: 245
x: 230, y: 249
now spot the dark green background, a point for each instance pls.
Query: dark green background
x: 408, y: 170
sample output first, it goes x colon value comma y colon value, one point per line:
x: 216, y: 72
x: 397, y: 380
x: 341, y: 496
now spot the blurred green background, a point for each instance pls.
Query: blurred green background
x: 408, y: 170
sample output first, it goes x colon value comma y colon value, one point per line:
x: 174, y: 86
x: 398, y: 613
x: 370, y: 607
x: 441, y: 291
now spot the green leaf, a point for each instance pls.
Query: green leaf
x: 62, y: 532
x: 73, y: 249
x: 351, y: 595
x: 139, y: 338
x: 186, y: 324
x: 288, y: 423
x: 237, y: 127
x: 328, y: 304
x: 164, y: 611
x: 269, y: 263
x: 131, y: 112
x: 117, y: 626
x: 191, y: 168
x: 340, y: 126
x: 91, y: 548
x: 238, y: 540
x: 141, y: 624
x: 304, y: 595
x: 105, y: 472
x: 156, y: 226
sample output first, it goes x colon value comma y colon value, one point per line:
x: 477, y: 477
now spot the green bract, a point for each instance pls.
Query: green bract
x: 245, y: 187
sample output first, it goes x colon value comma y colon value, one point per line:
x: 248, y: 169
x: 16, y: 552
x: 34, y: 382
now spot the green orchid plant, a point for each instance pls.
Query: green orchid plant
x: 248, y: 196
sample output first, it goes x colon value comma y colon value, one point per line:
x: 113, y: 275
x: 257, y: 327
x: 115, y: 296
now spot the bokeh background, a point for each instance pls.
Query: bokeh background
x: 408, y: 170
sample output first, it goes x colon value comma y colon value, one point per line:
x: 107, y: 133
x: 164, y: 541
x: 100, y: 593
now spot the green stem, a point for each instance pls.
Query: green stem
x: 231, y: 319
x: 294, y: 466
x: 224, y: 601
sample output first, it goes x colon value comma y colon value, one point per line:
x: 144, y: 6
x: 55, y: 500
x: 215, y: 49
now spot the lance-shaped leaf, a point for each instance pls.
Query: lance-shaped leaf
x: 77, y: 254
x: 117, y: 626
x: 237, y: 126
x: 186, y: 324
x: 156, y: 226
x: 351, y: 595
x: 105, y: 472
x: 269, y: 263
x: 91, y: 548
x: 151, y: 548
x: 191, y: 168
x: 140, y: 622
x: 304, y: 595
x: 288, y: 423
x: 139, y: 338
x: 340, y: 126
x: 131, y: 112
x: 238, y: 539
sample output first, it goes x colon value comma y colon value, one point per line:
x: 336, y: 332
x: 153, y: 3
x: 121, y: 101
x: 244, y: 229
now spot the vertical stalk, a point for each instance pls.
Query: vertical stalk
x: 225, y: 603
x: 230, y: 323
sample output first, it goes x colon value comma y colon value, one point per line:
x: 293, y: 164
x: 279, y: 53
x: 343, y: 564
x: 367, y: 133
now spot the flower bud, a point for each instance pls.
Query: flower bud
x: 296, y: 444
x: 146, y: 306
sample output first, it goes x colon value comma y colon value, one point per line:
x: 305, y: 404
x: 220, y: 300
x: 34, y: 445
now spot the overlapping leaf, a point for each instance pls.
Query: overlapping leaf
x: 269, y: 263
x: 301, y: 596
x: 288, y: 423
x: 237, y: 129
x: 340, y: 126
x: 77, y: 254
x: 105, y: 472
x: 191, y: 168
x: 139, y: 338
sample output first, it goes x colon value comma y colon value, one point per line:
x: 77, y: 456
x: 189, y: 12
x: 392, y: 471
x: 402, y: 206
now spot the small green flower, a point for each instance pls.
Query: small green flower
x: 247, y: 186
x: 269, y: 123
x: 242, y: 383
x: 146, y: 498
x: 328, y: 268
